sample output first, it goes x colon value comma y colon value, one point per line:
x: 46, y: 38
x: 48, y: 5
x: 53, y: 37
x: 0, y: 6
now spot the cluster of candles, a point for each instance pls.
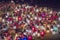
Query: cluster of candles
x: 29, y: 21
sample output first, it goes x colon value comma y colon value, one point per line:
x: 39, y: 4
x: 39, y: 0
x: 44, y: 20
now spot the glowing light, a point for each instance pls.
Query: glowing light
x: 33, y: 34
x: 47, y: 31
x: 37, y: 10
x: 42, y: 34
x: 38, y: 34
x: 35, y: 18
x: 29, y: 37
x: 3, y: 20
x: 19, y: 18
x: 55, y: 29
x: 59, y: 18
x: 25, y: 38
x: 14, y: 27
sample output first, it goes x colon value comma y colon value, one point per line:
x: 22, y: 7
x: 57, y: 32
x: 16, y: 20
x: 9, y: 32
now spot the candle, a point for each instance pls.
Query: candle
x: 25, y: 38
x: 55, y: 29
x: 33, y: 28
x: 19, y: 18
x: 29, y: 37
x: 42, y: 34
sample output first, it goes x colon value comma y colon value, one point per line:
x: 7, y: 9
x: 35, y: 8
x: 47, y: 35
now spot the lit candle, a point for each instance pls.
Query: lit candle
x: 19, y: 18
x: 43, y: 14
x: 10, y: 18
x: 25, y: 38
x: 55, y: 29
x: 34, y: 34
x: 29, y: 37
x: 33, y: 29
x: 42, y: 33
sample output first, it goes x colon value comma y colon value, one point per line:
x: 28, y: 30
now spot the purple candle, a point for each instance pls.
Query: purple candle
x: 43, y: 14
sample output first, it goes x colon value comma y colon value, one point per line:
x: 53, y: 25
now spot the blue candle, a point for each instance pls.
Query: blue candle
x: 55, y: 29
x: 25, y: 38
x: 20, y: 38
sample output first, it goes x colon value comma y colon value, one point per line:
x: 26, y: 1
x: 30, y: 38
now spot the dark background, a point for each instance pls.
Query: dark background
x: 47, y: 3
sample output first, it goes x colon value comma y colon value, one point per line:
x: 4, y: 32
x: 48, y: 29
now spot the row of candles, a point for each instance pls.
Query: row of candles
x: 30, y: 20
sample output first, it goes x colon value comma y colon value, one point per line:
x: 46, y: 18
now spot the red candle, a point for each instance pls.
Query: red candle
x: 10, y: 18
x: 29, y: 37
x: 19, y: 18
x: 42, y: 33
x: 33, y: 29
